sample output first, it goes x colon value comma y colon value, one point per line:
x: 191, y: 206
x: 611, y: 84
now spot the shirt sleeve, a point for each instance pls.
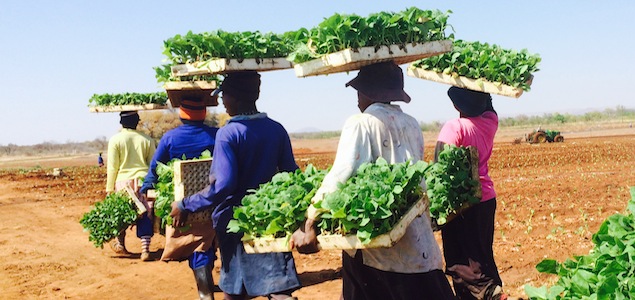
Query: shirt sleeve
x: 151, y: 150
x: 113, y: 165
x: 220, y: 187
x: 353, y: 150
x: 287, y: 160
x: 450, y: 133
x: 160, y: 155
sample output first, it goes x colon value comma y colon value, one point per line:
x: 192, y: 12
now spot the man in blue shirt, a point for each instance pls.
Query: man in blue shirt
x: 249, y: 150
x: 189, y: 140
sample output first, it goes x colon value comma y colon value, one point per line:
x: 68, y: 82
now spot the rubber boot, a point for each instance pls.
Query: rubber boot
x: 204, y: 282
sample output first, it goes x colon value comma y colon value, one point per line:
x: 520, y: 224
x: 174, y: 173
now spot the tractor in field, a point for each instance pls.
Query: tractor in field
x: 543, y: 136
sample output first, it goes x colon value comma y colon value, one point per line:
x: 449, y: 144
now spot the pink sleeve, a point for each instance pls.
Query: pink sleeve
x: 450, y: 133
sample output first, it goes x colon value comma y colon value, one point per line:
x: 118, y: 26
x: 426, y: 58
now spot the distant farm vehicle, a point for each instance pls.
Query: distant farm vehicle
x: 543, y: 136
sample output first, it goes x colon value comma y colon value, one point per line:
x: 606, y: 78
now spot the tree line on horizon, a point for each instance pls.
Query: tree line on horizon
x: 156, y: 123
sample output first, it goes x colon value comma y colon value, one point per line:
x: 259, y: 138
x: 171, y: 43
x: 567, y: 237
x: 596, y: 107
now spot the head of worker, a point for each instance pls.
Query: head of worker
x: 240, y: 90
x: 470, y: 103
x: 379, y: 83
x: 129, y: 119
x: 192, y: 109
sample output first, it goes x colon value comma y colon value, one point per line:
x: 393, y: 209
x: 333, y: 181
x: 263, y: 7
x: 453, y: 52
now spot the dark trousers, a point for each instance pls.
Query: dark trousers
x: 361, y: 282
x: 470, y: 237
x: 144, y: 226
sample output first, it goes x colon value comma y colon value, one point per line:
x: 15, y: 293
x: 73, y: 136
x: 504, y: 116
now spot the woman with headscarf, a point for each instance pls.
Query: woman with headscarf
x: 410, y: 269
x: 468, y: 239
x: 250, y: 149
x: 129, y: 156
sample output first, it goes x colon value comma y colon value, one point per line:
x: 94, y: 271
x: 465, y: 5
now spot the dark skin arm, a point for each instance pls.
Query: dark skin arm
x: 438, y: 148
x: 305, y: 238
x: 178, y: 216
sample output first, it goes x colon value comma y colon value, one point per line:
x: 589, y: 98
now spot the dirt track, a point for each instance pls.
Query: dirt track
x: 552, y: 197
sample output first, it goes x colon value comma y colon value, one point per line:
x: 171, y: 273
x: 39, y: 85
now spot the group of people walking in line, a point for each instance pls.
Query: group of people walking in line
x: 251, y: 148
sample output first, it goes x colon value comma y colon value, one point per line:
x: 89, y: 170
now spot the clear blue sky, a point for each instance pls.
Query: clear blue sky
x: 56, y: 54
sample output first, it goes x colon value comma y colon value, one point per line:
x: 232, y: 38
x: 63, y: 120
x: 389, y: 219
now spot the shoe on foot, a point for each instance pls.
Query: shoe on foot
x: 145, y: 256
x: 118, y: 247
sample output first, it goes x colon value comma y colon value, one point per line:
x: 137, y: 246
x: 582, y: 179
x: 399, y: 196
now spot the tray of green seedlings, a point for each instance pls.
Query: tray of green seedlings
x: 452, y: 183
x: 177, y: 179
x: 343, y: 43
x: 219, y: 52
x: 127, y: 102
x: 481, y: 67
x: 271, y: 213
x: 374, y: 208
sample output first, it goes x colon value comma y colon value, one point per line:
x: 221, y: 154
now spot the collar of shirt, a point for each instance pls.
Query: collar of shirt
x: 260, y: 115
x: 381, y: 105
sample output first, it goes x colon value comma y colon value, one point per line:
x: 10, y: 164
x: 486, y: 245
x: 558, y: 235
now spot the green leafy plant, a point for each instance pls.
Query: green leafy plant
x: 165, y: 188
x: 197, y: 47
x: 607, y: 272
x: 160, y: 98
x: 278, y: 207
x: 483, y: 61
x: 206, y: 46
x: 374, y: 200
x: 109, y: 217
x: 340, y: 32
x: 449, y: 183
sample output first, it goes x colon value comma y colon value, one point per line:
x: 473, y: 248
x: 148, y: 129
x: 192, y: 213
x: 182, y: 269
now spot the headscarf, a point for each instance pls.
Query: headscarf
x: 470, y: 103
x: 129, y: 119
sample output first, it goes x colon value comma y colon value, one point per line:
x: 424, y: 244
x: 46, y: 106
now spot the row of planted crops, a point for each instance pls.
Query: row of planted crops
x: 371, y: 204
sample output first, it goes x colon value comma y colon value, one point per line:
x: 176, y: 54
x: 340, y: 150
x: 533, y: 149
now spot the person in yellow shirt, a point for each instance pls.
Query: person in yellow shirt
x: 129, y: 155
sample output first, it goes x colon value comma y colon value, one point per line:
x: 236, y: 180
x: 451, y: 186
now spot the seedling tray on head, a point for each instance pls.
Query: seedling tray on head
x: 353, y: 59
x: 476, y: 191
x: 179, y: 90
x: 479, y: 85
x: 223, y: 66
x: 338, y: 241
x: 120, y: 108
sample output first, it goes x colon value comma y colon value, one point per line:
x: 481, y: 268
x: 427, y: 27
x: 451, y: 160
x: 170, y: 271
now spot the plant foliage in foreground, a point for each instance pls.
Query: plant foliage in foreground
x: 607, y: 272
x: 109, y: 217
x: 482, y: 61
x: 160, y: 98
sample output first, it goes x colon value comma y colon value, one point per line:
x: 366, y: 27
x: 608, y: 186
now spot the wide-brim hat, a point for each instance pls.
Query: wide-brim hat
x: 468, y: 102
x: 381, y: 82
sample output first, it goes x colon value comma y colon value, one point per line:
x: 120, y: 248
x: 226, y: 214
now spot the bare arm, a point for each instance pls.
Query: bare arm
x: 438, y: 148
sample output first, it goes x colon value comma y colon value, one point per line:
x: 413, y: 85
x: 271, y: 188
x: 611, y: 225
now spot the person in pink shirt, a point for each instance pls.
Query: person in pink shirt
x: 468, y: 239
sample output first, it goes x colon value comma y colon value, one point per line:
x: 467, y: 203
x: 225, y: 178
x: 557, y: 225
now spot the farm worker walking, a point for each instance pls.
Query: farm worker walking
x: 250, y: 149
x: 189, y: 140
x: 129, y: 156
x: 412, y: 268
x: 468, y: 239
x: 100, y: 160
